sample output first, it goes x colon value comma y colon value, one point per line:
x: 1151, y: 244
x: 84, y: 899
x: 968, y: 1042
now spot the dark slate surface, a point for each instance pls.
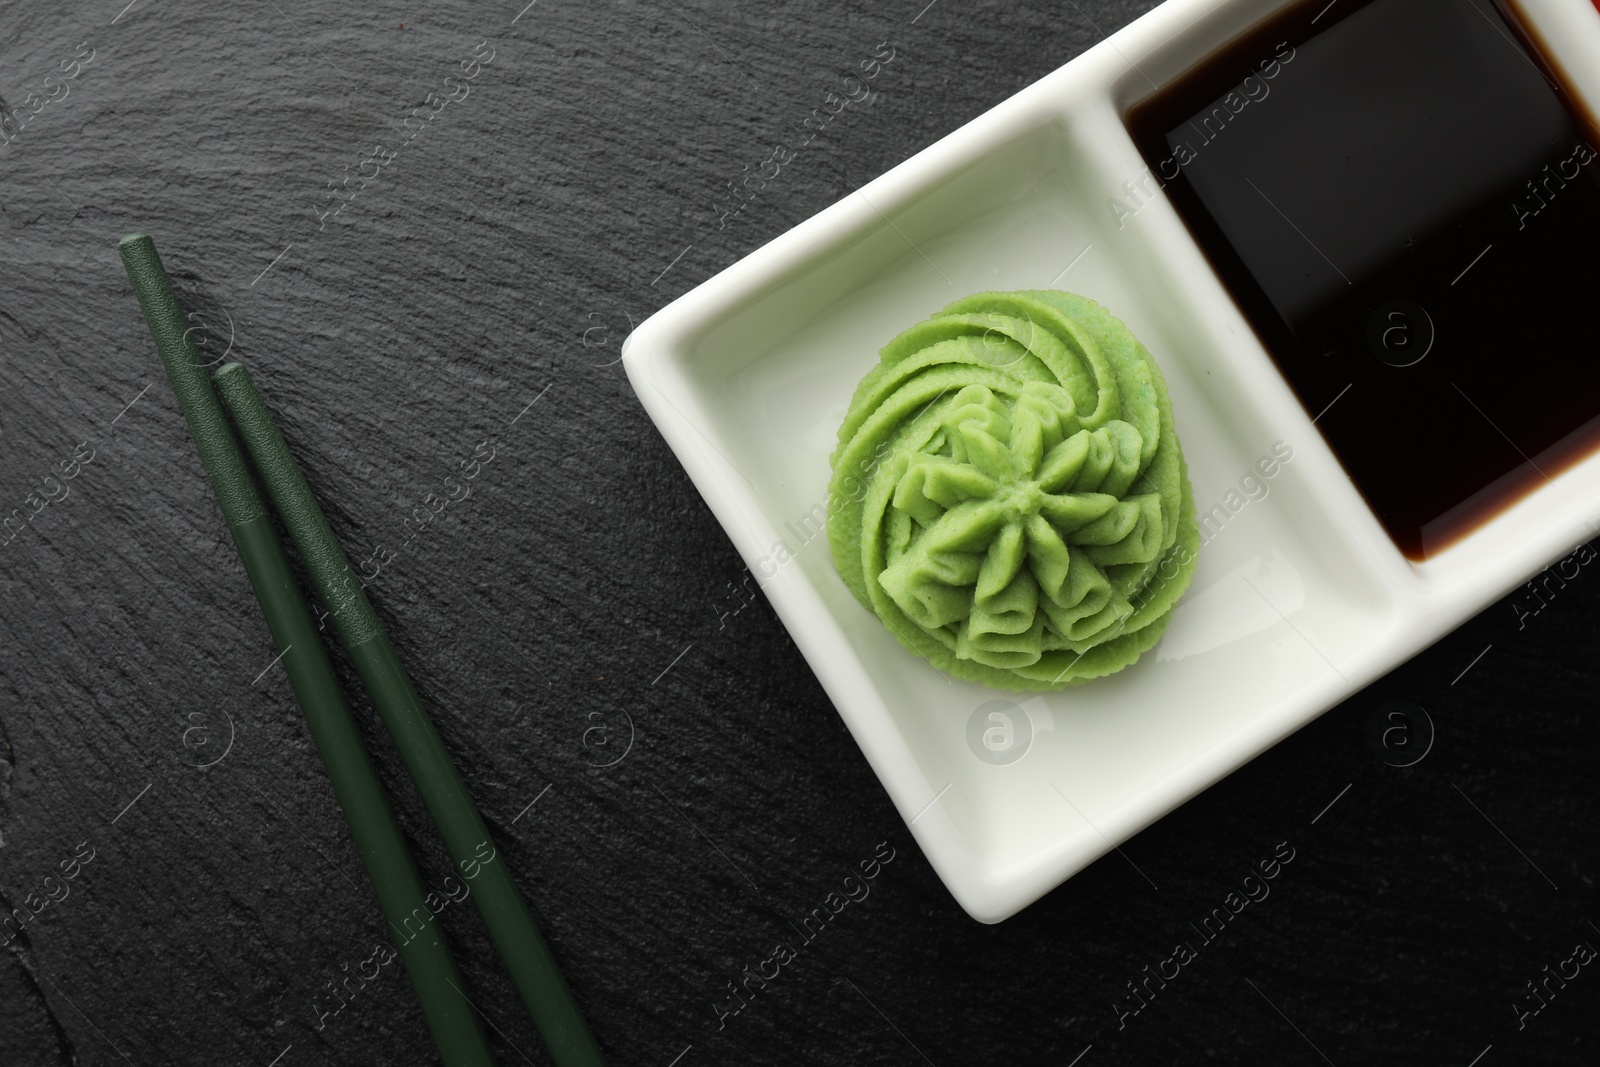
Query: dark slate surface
x: 419, y: 323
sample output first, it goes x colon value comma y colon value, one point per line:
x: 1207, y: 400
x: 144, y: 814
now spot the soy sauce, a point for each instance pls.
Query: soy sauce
x: 1404, y: 201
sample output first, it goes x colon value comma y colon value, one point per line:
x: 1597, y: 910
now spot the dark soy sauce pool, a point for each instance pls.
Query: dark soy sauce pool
x: 1404, y: 200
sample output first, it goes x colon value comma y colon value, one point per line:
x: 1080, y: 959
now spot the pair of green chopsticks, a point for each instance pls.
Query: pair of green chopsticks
x: 450, y: 1015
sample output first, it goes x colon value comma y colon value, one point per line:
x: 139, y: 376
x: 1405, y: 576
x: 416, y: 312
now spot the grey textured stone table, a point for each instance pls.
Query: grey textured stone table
x: 154, y: 766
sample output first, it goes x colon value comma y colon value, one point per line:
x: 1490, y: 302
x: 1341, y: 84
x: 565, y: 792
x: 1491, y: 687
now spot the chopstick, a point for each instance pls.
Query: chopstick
x: 450, y: 1016
x: 511, y: 927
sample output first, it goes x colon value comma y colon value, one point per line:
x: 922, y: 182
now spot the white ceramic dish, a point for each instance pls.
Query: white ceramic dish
x: 1301, y: 600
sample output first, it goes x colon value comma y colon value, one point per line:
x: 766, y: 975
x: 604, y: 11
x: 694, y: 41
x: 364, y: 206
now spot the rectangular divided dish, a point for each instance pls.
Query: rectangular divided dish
x: 1299, y: 597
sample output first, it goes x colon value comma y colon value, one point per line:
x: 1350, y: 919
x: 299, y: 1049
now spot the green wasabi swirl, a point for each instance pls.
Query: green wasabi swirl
x: 1011, y: 497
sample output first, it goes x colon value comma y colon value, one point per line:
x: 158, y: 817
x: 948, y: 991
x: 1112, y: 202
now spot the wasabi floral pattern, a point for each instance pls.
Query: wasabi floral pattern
x: 1033, y: 526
